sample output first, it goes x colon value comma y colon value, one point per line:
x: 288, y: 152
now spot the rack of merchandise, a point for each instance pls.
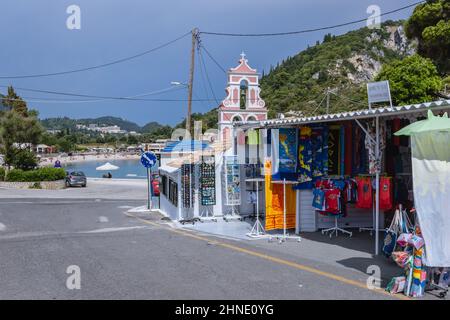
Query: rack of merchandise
x: 207, y: 187
x: 232, y: 187
x: 187, y: 185
x: 285, y: 236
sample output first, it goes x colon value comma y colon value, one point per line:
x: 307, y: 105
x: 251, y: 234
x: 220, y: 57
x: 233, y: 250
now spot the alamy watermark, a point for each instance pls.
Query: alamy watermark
x: 73, y: 21
x: 74, y: 280
x: 374, y: 20
x: 374, y: 280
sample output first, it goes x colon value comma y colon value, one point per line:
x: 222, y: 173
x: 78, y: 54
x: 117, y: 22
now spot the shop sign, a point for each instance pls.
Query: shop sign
x: 378, y: 92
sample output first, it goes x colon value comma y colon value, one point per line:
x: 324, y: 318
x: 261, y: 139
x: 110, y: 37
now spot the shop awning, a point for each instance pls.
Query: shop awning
x: 351, y: 115
x: 168, y: 169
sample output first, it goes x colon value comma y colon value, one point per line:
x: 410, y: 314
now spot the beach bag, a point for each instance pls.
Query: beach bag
x: 390, y: 240
x: 403, y: 239
x: 396, y: 285
x: 401, y: 258
x: 416, y: 241
x: 390, y: 237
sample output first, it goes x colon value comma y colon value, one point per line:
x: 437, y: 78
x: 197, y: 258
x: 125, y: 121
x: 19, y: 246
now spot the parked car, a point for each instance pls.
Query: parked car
x: 155, y: 185
x: 76, y: 178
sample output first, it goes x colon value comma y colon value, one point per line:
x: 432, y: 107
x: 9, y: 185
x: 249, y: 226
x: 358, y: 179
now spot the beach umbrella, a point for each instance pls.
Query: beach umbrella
x: 107, y: 167
x: 430, y: 158
x: 433, y: 123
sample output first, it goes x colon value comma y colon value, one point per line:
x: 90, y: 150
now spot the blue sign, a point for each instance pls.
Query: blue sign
x: 148, y: 159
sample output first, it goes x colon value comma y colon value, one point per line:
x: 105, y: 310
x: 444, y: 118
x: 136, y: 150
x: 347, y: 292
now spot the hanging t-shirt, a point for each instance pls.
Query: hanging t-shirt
x: 318, y: 199
x: 386, y: 193
x: 305, y: 155
x: 364, y: 193
x: 332, y: 198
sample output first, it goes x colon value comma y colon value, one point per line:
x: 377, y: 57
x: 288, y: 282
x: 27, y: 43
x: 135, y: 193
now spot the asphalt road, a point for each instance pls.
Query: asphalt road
x: 123, y: 257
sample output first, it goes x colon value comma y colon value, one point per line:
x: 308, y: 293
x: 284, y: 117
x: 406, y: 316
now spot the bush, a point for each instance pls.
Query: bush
x: 24, y: 159
x: 42, y: 174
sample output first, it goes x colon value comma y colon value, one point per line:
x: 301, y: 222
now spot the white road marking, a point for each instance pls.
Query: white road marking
x: 103, y: 219
x: 2, y: 227
x: 103, y: 230
x: 25, y: 235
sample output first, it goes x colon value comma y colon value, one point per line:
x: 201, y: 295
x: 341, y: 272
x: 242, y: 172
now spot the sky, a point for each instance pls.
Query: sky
x: 35, y: 39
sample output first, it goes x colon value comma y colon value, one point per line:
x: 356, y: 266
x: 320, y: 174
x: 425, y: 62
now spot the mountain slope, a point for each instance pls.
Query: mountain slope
x: 68, y: 123
x: 342, y: 63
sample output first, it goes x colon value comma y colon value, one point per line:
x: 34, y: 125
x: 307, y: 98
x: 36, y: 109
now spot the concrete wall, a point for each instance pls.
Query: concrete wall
x: 48, y: 185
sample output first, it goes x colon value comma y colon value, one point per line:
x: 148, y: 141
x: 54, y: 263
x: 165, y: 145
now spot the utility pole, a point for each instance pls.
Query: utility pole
x: 191, y: 79
x: 328, y: 100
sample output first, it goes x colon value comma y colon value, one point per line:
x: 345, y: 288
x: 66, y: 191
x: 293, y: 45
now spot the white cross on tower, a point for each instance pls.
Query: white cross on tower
x: 243, y: 56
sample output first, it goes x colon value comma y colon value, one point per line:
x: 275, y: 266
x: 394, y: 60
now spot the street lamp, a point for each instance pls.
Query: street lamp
x: 188, y: 118
x: 178, y: 83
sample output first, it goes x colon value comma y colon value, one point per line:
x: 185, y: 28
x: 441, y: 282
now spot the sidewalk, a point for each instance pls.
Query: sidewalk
x: 347, y: 256
x: 97, y: 188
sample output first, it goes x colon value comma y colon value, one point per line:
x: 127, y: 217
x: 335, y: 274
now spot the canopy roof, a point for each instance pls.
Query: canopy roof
x: 107, y: 167
x: 350, y: 115
x: 433, y: 123
x: 185, y: 146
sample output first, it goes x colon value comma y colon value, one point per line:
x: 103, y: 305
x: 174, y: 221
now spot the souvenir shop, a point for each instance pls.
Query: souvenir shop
x: 330, y: 166
x: 188, y: 181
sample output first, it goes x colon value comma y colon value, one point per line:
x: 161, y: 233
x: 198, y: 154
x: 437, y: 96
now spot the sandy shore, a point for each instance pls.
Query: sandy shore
x: 46, y: 161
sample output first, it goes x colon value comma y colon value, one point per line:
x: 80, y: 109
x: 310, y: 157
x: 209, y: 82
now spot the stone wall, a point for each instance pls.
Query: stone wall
x: 48, y: 185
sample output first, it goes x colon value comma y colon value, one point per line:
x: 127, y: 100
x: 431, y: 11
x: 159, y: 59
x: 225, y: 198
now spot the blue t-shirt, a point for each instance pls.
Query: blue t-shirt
x: 318, y: 199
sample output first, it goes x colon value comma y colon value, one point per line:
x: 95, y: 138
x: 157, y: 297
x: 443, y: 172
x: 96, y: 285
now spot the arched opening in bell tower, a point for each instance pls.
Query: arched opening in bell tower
x: 243, y: 86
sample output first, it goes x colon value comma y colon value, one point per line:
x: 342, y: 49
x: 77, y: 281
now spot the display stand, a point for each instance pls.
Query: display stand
x: 207, y: 214
x: 285, y: 236
x: 336, y: 229
x: 232, y: 215
x: 232, y: 188
x: 207, y: 189
x: 257, y: 229
x: 440, y: 287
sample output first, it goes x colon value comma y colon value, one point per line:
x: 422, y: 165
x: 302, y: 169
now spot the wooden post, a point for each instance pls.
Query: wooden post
x: 191, y: 79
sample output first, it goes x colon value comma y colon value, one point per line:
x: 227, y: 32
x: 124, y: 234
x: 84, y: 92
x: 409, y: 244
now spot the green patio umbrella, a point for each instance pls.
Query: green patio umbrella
x: 433, y: 123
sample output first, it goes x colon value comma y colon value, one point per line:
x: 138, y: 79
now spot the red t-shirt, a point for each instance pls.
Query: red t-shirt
x: 332, y: 200
x: 364, y: 193
x: 386, y: 194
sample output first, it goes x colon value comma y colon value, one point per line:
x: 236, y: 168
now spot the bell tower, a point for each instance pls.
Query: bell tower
x: 242, y: 103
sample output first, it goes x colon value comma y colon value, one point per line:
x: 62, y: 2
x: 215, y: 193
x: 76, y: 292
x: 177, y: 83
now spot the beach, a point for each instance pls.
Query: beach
x: 79, y: 158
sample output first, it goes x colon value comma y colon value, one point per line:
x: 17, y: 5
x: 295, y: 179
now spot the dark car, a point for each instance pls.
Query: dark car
x: 76, y: 178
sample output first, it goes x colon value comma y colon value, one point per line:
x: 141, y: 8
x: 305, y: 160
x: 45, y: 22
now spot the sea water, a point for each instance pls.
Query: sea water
x: 128, y: 168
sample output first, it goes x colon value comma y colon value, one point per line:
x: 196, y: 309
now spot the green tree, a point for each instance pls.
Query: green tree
x: 15, y: 103
x: 24, y: 159
x: 17, y: 129
x: 412, y: 80
x: 65, y: 145
x: 430, y: 25
x: 132, y: 140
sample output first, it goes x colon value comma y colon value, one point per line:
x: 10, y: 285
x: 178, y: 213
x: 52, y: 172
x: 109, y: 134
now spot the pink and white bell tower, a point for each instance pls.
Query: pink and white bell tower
x: 243, y: 102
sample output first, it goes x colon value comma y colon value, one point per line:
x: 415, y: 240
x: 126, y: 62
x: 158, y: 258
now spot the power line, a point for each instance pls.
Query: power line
x: 97, y: 66
x: 202, y: 61
x: 203, y: 77
x: 305, y: 30
x: 212, y: 58
x: 46, y: 100
x: 99, y: 98
x: 172, y: 88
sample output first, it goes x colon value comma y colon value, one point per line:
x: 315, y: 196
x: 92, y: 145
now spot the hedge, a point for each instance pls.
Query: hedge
x: 41, y: 174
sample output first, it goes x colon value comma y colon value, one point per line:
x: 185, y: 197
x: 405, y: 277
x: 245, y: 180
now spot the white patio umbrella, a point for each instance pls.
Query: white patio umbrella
x: 107, y: 167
